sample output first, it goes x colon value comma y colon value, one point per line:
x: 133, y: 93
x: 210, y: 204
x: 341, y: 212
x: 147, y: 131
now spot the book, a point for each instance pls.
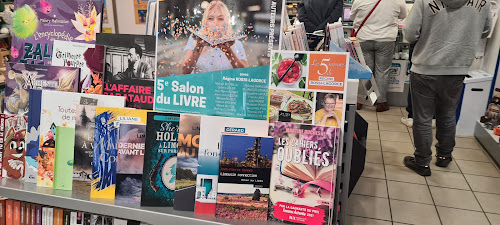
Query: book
x: 130, y: 68
x: 117, y: 221
x: 13, y: 164
x: 64, y: 155
x: 37, y: 24
x: 2, y: 137
x: 303, y: 178
x: 21, y: 78
x: 60, y: 110
x: 214, y: 40
x: 96, y: 220
x: 160, y: 159
x: 50, y: 216
x: 88, y: 57
x: 9, y: 211
x: 38, y: 214
x: 106, y: 147
x: 212, y: 129
x: 21, y: 213
x: 107, y: 220
x: 27, y: 214
x: 58, y: 217
x: 79, y: 218
x: 32, y: 136
x: 66, y: 216
x: 243, y: 188
x: 87, y: 217
x: 187, y: 162
x: 72, y: 218
x: 2, y: 210
x: 16, y: 213
x: 130, y: 161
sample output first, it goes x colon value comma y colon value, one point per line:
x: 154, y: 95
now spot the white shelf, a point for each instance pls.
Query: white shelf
x: 489, y: 140
x: 17, y: 190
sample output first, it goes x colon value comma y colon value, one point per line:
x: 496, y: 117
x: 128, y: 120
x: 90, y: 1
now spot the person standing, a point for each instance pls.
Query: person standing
x: 446, y: 34
x: 316, y: 14
x: 376, y: 27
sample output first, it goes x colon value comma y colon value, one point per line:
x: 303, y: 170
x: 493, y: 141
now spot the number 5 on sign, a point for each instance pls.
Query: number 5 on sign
x: 328, y: 71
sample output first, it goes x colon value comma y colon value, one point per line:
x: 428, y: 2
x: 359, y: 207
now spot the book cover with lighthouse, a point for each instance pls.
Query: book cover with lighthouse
x: 303, y: 173
x: 37, y: 23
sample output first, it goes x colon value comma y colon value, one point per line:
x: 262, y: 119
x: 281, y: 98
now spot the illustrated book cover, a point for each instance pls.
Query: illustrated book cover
x: 59, y: 109
x: 88, y: 57
x: 36, y: 24
x: 160, y: 159
x: 243, y: 189
x: 212, y: 129
x: 130, y: 68
x: 13, y: 162
x: 303, y: 173
x: 106, y: 136
x: 187, y: 162
x: 21, y: 78
x: 130, y: 161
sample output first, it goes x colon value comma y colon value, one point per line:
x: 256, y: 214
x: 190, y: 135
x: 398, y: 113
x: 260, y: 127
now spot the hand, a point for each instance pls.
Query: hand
x: 200, y: 44
x: 225, y: 46
x: 332, y: 114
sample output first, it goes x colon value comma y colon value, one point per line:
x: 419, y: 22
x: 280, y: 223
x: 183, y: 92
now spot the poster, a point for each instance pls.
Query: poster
x: 397, y: 76
x: 308, y: 87
x: 140, y: 11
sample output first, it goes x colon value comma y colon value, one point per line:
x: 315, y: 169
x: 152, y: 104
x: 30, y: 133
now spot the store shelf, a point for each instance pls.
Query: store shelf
x: 488, y: 140
x: 17, y: 190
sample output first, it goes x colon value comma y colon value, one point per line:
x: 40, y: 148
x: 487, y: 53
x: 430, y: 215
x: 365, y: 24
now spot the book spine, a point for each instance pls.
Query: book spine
x: 16, y: 218
x: 72, y: 218
x: 38, y: 214
x: 21, y: 213
x: 9, y: 204
x: 66, y: 217
x: 2, y: 211
x: 27, y: 218
x: 2, y: 134
x: 50, y: 216
x: 44, y: 216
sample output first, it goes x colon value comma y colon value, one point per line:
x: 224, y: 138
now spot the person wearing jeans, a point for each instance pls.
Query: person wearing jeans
x: 446, y: 36
x: 377, y: 37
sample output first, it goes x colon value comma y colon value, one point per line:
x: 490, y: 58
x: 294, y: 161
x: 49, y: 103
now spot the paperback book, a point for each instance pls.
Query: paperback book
x: 36, y: 24
x: 106, y: 137
x: 130, y: 68
x: 160, y: 159
x: 32, y: 135
x: 88, y: 57
x: 64, y: 155
x: 212, y: 129
x: 303, y: 173
x: 130, y: 160
x: 187, y: 162
x: 60, y: 110
x: 243, y: 189
x: 21, y: 78
x: 13, y: 164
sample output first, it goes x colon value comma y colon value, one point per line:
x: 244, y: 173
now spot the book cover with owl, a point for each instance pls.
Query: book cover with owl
x: 160, y: 159
x: 21, y: 78
x: 13, y: 164
x: 130, y: 161
x: 59, y: 109
x: 37, y: 23
x: 106, y: 136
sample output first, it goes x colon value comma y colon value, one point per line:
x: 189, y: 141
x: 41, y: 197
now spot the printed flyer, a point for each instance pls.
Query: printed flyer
x: 397, y: 76
x: 36, y: 24
x: 220, y: 59
x: 308, y: 87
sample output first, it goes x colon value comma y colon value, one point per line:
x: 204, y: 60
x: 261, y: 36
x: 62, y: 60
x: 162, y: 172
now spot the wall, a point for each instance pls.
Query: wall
x: 126, y: 18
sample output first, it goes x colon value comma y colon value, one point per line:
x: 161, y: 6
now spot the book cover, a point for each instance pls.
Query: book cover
x: 66, y: 217
x: 63, y: 165
x: 13, y: 165
x: 212, y: 128
x: 106, y: 147
x: 187, y: 162
x: 32, y: 135
x: 72, y: 218
x: 58, y: 217
x: 84, y: 148
x: 21, y: 78
x: 2, y: 211
x: 303, y: 174
x: 88, y: 57
x: 160, y: 159
x: 2, y: 134
x: 16, y: 213
x: 21, y: 213
x: 87, y: 217
x: 79, y: 218
x: 107, y: 220
x: 9, y: 205
x: 96, y: 220
x: 36, y: 24
x: 130, y: 161
x: 243, y: 189
x: 60, y: 110
x: 130, y: 67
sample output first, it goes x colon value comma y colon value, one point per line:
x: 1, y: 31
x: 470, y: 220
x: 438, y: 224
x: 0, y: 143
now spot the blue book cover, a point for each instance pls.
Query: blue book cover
x: 160, y: 159
x: 32, y: 135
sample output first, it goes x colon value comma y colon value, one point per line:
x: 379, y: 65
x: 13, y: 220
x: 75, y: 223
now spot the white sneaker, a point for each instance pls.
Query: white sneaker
x: 407, y: 121
x: 433, y: 123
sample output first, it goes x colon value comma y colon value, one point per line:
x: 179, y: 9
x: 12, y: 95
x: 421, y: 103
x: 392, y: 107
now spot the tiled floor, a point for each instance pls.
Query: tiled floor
x: 467, y: 192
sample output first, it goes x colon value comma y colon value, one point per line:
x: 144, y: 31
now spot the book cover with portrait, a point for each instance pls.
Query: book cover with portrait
x: 303, y: 173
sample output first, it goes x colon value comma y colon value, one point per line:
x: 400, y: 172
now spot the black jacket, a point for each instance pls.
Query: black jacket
x: 315, y: 14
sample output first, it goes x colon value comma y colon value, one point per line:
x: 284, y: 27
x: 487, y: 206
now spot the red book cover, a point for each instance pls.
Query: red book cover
x: 8, y: 212
x: 16, y: 217
x: 2, y: 211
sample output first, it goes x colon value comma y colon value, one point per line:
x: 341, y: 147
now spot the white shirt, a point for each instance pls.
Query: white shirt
x: 213, y: 59
x: 382, y: 25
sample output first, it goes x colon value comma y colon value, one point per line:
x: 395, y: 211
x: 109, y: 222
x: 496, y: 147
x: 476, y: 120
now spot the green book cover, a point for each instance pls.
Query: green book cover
x: 63, y: 166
